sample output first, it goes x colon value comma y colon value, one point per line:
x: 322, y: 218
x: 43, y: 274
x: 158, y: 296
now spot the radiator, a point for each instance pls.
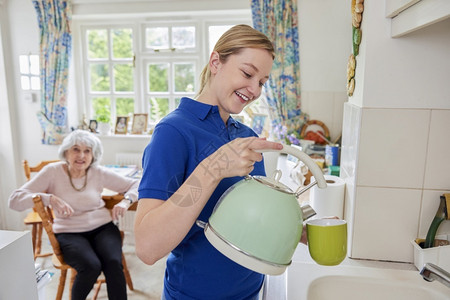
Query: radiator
x: 129, y: 158
x: 126, y: 224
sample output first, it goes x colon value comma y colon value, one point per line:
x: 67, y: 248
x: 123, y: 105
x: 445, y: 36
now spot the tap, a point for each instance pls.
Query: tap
x: 431, y: 272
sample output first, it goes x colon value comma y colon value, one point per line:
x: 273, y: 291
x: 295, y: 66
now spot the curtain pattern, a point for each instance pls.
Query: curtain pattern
x: 278, y: 20
x: 54, y: 17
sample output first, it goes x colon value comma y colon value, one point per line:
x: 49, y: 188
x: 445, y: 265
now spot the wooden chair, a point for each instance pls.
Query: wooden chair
x: 58, y: 259
x: 32, y: 217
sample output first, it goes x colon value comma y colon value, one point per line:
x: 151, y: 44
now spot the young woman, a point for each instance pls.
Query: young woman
x: 89, y: 240
x: 195, y: 154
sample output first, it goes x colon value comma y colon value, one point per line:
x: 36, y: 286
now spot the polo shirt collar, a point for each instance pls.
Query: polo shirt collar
x: 201, y: 110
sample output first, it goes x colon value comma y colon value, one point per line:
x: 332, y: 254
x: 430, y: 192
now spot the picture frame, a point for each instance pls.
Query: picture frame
x: 121, y: 125
x: 139, y: 123
x: 93, y: 126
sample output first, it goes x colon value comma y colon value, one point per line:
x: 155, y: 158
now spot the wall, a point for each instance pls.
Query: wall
x: 325, y: 44
x: 324, y: 48
x: 8, y: 133
x: 395, y: 137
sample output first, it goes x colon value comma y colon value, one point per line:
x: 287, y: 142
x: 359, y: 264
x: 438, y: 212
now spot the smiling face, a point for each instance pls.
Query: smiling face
x: 238, y: 81
x: 79, y: 158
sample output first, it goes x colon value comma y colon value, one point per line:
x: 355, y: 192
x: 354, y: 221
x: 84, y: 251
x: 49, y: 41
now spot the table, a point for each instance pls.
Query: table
x: 111, y: 198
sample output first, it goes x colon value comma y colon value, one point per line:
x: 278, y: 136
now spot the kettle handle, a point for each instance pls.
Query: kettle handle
x: 313, y: 167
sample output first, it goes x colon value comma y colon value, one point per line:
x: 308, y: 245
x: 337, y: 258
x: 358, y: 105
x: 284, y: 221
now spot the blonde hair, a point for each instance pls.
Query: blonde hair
x: 233, y: 41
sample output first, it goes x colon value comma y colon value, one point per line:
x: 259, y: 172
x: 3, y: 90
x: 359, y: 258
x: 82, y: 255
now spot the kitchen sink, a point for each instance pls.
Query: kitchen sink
x: 351, y: 287
x: 310, y: 281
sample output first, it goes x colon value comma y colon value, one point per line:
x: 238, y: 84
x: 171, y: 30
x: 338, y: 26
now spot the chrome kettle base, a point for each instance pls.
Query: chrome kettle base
x: 241, y: 257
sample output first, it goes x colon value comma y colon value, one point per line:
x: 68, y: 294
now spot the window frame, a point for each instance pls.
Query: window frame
x: 199, y: 56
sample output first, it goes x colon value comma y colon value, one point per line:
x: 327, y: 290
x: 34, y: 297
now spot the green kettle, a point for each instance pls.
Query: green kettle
x: 258, y: 221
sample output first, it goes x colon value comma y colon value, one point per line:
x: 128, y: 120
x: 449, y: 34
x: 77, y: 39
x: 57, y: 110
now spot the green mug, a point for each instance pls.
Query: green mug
x: 327, y: 240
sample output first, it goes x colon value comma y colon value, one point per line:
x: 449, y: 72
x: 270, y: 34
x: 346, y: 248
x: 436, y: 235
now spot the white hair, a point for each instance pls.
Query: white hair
x: 82, y: 137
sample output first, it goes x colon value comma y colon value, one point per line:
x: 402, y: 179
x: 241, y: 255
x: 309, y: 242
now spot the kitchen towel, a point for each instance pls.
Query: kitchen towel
x: 330, y: 200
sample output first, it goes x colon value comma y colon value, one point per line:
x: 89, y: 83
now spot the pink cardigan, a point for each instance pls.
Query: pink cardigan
x: 89, y: 208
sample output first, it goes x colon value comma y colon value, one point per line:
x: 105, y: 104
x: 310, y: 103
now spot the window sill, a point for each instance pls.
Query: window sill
x: 124, y: 136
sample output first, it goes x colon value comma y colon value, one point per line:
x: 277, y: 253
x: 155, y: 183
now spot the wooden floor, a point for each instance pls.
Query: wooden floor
x: 147, y: 280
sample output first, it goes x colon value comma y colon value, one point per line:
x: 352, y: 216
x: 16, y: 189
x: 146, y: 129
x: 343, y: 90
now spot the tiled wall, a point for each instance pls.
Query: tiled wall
x: 395, y: 150
x: 396, y: 164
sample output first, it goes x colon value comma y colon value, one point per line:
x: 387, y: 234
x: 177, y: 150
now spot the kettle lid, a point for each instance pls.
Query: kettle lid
x: 273, y: 183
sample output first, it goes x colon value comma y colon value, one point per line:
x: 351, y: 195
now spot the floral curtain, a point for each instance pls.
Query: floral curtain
x: 54, y: 17
x: 278, y: 20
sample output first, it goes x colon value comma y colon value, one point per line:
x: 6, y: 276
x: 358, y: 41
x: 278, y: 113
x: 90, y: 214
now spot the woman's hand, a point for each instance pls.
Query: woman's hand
x: 120, y: 209
x: 237, y: 157
x: 60, y: 206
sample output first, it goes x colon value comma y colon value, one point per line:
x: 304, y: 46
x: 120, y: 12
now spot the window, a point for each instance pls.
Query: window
x: 110, y: 71
x: 145, y: 66
x: 171, y: 59
x: 29, y: 72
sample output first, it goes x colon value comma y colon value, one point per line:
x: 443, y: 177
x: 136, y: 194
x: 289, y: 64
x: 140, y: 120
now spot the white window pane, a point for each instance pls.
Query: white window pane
x: 184, y: 77
x: 99, y: 77
x: 215, y: 32
x: 24, y: 64
x: 158, y: 77
x: 157, y: 37
x: 123, y: 77
x: 122, y: 40
x: 159, y: 107
x: 183, y: 37
x: 34, y: 64
x: 97, y: 43
x: 25, y: 82
x: 35, y: 83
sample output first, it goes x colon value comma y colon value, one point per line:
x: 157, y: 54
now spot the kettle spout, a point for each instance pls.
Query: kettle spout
x: 307, y: 211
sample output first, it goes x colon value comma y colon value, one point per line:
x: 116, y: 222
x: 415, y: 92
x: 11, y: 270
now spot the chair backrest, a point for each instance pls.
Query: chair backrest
x: 47, y: 222
x: 28, y: 170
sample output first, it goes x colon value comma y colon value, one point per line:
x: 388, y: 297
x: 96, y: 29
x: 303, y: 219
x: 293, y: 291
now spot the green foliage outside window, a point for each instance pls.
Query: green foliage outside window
x: 102, y: 109
x: 123, y: 78
x: 124, y: 106
x: 122, y: 43
x: 158, y: 77
x: 159, y: 107
x: 99, y: 78
x: 184, y: 77
x: 97, y: 43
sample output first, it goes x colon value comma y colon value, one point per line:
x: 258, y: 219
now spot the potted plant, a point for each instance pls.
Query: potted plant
x: 104, y: 126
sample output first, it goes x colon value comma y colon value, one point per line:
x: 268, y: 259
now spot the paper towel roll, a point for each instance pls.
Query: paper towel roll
x: 329, y: 201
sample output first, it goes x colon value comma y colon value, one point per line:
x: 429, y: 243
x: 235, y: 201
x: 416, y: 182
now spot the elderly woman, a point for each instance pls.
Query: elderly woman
x: 89, y: 240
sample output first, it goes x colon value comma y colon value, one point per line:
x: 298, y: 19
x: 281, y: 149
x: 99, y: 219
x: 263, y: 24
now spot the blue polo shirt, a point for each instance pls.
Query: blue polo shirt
x: 189, y: 134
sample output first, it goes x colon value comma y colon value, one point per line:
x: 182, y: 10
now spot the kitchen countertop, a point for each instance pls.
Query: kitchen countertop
x: 275, y: 286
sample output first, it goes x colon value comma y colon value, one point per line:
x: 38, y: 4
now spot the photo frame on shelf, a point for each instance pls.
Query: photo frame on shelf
x: 139, y: 124
x: 121, y: 125
x: 93, y: 126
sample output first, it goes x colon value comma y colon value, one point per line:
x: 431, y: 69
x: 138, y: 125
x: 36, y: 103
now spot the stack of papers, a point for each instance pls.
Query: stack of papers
x: 42, y: 276
x: 127, y: 171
